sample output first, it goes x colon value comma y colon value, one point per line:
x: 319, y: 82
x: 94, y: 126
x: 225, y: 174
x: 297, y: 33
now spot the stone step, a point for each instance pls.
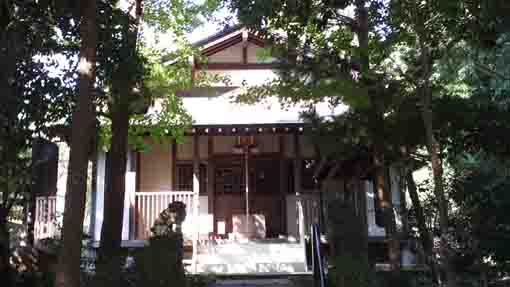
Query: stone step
x: 303, y: 280
x: 254, y: 283
x: 251, y: 257
x: 253, y: 268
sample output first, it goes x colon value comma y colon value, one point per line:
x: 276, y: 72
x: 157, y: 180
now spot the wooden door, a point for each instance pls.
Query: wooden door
x: 264, y: 196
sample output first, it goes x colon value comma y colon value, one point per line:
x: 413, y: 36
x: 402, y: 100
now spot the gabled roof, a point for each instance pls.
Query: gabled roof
x: 226, y: 30
x: 226, y: 38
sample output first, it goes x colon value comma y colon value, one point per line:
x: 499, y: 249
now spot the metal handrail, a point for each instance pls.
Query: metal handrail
x: 317, y: 263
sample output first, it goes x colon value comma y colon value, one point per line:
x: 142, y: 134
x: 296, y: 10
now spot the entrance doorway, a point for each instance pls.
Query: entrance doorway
x: 264, y: 195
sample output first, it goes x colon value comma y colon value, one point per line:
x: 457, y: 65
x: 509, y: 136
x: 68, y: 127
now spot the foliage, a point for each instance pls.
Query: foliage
x: 177, y: 17
x: 30, y: 99
x: 318, y: 56
x: 353, y: 271
x: 148, y: 262
x: 466, y: 45
x: 482, y: 220
x: 156, y: 111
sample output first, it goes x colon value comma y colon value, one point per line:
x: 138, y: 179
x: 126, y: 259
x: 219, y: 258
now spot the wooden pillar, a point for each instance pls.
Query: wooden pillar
x: 129, y: 197
x: 283, y: 184
x: 210, y: 176
x: 363, y: 207
x: 173, y: 164
x: 196, y: 199
x: 131, y: 187
x: 100, y: 191
x: 297, y: 188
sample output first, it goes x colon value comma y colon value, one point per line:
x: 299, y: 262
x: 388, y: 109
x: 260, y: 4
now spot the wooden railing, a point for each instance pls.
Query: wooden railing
x: 45, y: 217
x: 148, y: 206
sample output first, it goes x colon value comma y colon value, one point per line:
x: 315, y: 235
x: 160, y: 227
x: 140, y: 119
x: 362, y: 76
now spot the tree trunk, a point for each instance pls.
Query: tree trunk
x: 433, y: 148
x: 377, y: 132
x: 68, y: 274
x: 425, y: 236
x: 110, y: 254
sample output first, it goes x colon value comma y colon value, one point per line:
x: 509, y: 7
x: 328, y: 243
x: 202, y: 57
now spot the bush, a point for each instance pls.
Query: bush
x: 353, y: 271
x: 160, y: 263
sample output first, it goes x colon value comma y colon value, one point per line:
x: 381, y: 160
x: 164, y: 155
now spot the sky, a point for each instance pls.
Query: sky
x: 208, y: 28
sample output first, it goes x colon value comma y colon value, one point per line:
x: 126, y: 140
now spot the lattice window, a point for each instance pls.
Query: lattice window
x: 184, y: 177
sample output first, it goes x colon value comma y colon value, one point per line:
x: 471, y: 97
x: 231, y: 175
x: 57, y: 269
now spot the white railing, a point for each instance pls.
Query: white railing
x: 148, y: 206
x: 45, y: 217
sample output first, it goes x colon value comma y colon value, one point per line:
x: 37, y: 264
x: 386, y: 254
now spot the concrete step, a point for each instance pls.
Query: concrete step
x: 253, y: 283
x: 265, y: 281
x: 252, y: 268
x: 269, y: 257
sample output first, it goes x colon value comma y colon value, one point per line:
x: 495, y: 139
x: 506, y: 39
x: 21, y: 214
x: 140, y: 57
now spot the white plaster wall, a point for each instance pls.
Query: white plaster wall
x: 185, y: 149
x: 156, y: 169
x: 252, y: 55
x: 233, y: 54
x: 223, y: 144
x: 267, y: 143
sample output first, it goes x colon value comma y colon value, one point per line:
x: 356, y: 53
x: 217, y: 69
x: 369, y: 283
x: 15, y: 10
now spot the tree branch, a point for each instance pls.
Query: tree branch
x: 490, y: 72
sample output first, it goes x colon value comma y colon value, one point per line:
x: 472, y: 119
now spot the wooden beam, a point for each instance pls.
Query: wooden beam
x: 247, y: 129
x: 255, y: 40
x: 209, y: 51
x: 238, y: 66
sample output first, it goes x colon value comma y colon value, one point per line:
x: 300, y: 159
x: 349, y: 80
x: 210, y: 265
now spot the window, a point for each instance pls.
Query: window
x: 184, y: 177
x: 230, y: 179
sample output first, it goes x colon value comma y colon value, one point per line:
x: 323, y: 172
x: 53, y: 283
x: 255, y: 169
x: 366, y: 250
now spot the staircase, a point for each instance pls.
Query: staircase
x: 252, y: 257
x: 261, y: 281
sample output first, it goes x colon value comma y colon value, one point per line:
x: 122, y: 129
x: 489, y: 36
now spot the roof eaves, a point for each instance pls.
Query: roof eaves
x: 227, y: 30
